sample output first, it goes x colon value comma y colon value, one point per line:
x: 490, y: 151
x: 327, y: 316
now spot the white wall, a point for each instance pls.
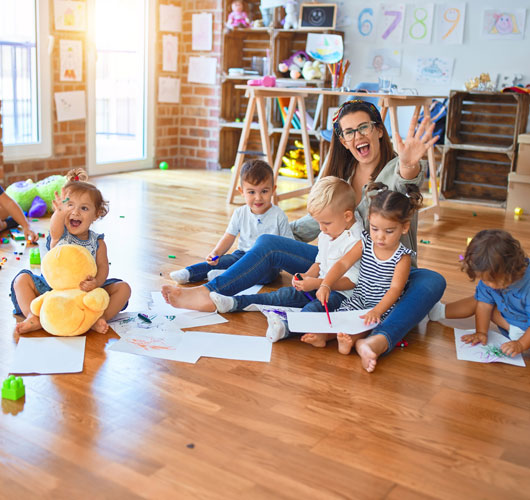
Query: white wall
x: 476, y: 55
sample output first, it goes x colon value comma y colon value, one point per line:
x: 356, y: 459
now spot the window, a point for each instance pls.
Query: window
x: 25, y: 78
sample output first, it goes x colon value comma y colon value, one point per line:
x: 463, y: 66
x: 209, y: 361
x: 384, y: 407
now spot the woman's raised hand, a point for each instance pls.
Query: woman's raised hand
x: 416, y: 143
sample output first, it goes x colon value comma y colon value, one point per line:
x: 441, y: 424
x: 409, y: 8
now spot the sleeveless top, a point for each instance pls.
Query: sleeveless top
x: 91, y: 244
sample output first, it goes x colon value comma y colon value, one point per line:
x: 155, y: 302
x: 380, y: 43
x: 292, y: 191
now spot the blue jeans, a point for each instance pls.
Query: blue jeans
x: 270, y: 252
x: 290, y: 297
x: 423, y: 290
x: 269, y: 255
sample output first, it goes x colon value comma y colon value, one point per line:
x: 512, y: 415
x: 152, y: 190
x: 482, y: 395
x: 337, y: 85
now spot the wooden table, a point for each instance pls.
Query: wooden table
x: 256, y: 99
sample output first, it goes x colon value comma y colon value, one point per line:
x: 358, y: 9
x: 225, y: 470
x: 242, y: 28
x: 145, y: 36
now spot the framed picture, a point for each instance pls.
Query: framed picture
x: 317, y: 16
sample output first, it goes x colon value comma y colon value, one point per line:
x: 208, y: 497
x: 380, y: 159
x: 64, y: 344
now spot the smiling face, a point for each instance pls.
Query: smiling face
x: 365, y: 148
x: 385, y: 233
x: 80, y: 214
x: 258, y: 197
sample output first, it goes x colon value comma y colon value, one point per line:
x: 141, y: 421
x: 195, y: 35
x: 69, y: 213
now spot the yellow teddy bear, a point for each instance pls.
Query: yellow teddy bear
x: 67, y: 310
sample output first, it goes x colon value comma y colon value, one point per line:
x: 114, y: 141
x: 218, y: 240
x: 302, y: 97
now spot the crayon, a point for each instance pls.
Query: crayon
x: 144, y: 317
x: 215, y: 258
x: 298, y: 277
x: 327, y: 312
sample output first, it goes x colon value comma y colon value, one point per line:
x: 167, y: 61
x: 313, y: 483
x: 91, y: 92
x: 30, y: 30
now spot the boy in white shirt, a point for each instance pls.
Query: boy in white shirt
x: 258, y: 216
x: 332, y: 204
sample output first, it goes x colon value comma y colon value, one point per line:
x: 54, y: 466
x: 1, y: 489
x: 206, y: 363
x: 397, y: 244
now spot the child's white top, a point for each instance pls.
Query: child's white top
x: 330, y: 251
x: 249, y: 225
x: 91, y: 243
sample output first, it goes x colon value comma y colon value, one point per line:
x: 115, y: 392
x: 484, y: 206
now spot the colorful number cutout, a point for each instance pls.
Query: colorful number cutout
x: 419, y: 22
x: 363, y: 22
x: 451, y: 16
x: 398, y: 15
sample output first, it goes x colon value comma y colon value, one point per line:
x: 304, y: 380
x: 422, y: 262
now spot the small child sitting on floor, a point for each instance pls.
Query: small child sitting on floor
x: 11, y: 216
x: 258, y: 216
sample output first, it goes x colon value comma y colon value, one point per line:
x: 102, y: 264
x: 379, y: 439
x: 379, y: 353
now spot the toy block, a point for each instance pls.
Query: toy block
x: 13, y: 388
x: 34, y: 256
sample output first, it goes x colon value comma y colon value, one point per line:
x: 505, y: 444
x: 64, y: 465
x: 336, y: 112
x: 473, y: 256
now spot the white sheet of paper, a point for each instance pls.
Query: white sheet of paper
x: 341, y: 321
x: 170, y: 18
x: 201, y: 31
x: 168, y: 89
x: 69, y: 15
x: 220, y: 345
x: 251, y: 291
x: 265, y: 310
x: 450, y: 20
x: 170, y: 52
x: 71, y: 60
x: 489, y: 353
x: 202, y: 70
x: 49, y: 355
x: 70, y: 105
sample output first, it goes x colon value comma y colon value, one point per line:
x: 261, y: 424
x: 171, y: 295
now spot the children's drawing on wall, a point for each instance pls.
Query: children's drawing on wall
x: 201, y: 31
x: 69, y: 15
x: 384, y: 61
x: 169, y: 53
x: 489, y: 353
x: 418, y: 24
x: 435, y: 70
x: 505, y: 24
x: 71, y: 60
x: 325, y: 48
x: 450, y: 22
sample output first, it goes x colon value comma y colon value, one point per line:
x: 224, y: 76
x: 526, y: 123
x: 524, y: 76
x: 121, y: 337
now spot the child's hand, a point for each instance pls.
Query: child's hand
x: 371, y: 317
x: 30, y: 235
x: 475, y: 338
x: 307, y: 285
x: 323, y: 294
x: 212, y: 259
x: 89, y: 284
x: 58, y: 201
x: 512, y: 348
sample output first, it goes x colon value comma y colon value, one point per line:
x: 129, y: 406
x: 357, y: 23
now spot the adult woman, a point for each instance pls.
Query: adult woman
x: 360, y: 151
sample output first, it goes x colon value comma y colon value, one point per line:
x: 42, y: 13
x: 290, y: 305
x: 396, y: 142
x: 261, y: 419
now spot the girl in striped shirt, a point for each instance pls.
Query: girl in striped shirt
x: 385, y: 261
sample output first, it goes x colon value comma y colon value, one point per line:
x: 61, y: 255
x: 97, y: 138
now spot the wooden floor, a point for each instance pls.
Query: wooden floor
x: 309, y: 424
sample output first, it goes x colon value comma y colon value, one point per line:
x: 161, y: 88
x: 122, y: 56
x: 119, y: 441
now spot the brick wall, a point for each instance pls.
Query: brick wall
x: 186, y: 134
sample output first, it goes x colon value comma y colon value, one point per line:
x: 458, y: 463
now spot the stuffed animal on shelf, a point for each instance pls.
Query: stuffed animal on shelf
x: 67, y: 310
x: 238, y: 18
x: 290, y: 20
x: 36, y: 198
x: 313, y: 70
x: 293, y: 66
x: 294, y: 162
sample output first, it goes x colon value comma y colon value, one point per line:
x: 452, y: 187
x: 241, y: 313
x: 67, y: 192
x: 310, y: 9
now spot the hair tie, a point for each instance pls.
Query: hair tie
x: 76, y: 178
x: 380, y: 190
x: 407, y: 195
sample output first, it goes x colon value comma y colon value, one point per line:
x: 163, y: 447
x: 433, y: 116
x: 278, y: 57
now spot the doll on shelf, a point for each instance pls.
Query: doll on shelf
x: 238, y: 18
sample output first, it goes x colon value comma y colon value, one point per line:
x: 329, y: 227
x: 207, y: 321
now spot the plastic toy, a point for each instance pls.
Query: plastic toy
x: 67, y: 310
x: 238, y: 18
x: 293, y: 66
x: 34, y: 256
x: 163, y: 165
x: 291, y: 15
x: 266, y: 81
x: 517, y: 213
x: 294, y: 162
x: 481, y: 83
x: 13, y: 388
x: 36, y: 198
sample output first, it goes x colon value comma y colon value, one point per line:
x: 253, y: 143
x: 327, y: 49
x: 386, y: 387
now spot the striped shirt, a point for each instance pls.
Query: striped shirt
x: 375, y: 277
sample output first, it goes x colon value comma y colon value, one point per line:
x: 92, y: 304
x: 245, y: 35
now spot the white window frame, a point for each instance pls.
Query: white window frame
x: 43, y: 148
x: 149, y: 106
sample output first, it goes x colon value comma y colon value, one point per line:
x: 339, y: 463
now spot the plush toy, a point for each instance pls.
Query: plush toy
x: 67, y: 310
x: 294, y: 162
x: 290, y: 20
x: 238, y: 17
x: 313, y: 70
x: 293, y: 66
x: 36, y: 199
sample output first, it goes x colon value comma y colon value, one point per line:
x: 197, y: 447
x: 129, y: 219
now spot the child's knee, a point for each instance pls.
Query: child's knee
x: 124, y: 289
x: 23, y: 281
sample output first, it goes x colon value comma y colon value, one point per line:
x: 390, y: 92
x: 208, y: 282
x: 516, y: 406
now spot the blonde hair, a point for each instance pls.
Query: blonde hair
x: 77, y: 182
x: 331, y: 191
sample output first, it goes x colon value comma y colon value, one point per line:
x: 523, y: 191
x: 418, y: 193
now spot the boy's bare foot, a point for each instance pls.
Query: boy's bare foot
x: 30, y: 324
x: 317, y: 339
x: 197, y: 298
x: 100, y: 326
x: 369, y: 357
x: 345, y: 342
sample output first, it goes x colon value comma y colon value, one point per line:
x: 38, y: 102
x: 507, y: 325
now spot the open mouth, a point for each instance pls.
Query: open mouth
x: 363, y: 149
x: 75, y: 222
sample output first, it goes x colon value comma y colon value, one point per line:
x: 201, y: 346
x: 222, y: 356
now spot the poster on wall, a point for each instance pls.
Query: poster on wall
x: 384, y: 61
x: 450, y: 22
x: 71, y: 60
x: 70, y: 105
x: 434, y: 70
x: 170, y: 18
x: 363, y: 20
x: 325, y: 48
x: 201, y: 31
x: 418, y: 23
x: 169, y: 52
x: 69, y: 15
x: 390, y: 22
x: 168, y: 89
x: 503, y: 24
x: 202, y: 70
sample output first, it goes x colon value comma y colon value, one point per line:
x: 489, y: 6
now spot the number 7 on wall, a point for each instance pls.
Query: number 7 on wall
x: 391, y: 22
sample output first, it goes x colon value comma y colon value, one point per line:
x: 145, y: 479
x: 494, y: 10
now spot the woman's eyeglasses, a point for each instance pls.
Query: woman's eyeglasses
x: 363, y: 129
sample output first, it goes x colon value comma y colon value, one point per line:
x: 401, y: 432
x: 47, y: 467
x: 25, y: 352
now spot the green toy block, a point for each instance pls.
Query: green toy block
x: 13, y: 388
x: 34, y: 256
x: 18, y: 236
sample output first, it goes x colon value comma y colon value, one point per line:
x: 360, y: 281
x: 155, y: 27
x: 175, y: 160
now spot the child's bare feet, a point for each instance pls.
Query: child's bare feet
x: 100, y: 326
x: 30, y: 324
x: 316, y: 339
x: 368, y: 355
x: 345, y: 342
x: 197, y: 297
